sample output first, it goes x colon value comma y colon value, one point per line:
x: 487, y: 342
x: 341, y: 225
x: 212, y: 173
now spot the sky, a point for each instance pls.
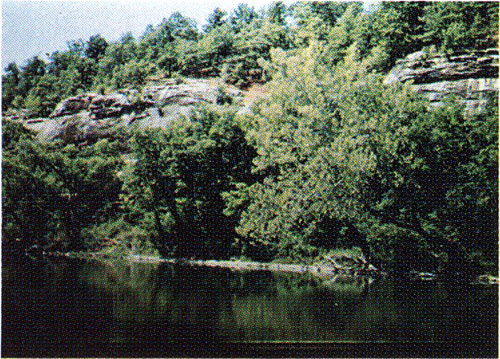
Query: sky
x: 35, y: 28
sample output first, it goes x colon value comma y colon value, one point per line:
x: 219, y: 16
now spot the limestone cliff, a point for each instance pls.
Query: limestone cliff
x: 91, y: 116
x: 471, y: 78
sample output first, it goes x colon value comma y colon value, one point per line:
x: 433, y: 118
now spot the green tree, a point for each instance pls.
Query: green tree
x: 460, y: 25
x: 132, y: 73
x: 96, y: 47
x: 44, y: 97
x: 175, y: 188
x: 10, y: 82
x: 179, y: 26
x: 314, y: 20
x: 347, y: 160
x: 399, y: 27
x: 277, y: 12
x: 51, y: 193
x: 215, y: 20
x: 250, y: 47
x: 31, y: 73
x: 242, y: 16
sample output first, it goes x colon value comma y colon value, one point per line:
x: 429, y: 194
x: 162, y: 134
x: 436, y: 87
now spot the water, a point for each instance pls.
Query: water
x: 75, y: 307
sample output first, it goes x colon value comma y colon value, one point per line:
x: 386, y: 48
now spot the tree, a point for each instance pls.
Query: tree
x: 31, y: 73
x: 328, y: 11
x: 400, y: 28
x: 455, y: 26
x: 347, y: 161
x: 344, y: 33
x: 50, y: 193
x: 175, y: 188
x: 116, y: 55
x: 241, y: 16
x: 43, y: 98
x: 215, y: 20
x: 132, y: 73
x: 277, y: 13
x: 250, y: 47
x: 179, y: 26
x: 10, y: 82
x: 96, y: 47
x: 60, y: 61
x: 315, y: 19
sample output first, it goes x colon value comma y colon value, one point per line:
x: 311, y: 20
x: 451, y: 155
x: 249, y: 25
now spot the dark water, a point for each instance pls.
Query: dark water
x: 76, y: 308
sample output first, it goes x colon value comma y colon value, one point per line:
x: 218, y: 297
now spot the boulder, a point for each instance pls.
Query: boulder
x: 85, y: 118
x: 189, y: 93
x: 422, y: 68
x: 78, y: 128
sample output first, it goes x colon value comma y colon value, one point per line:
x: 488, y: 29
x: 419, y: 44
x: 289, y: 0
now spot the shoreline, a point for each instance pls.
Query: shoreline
x: 318, y: 270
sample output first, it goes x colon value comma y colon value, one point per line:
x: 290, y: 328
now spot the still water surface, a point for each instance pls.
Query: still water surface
x: 74, y: 304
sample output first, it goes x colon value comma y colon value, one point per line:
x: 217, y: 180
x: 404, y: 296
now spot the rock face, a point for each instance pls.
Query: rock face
x: 187, y: 93
x: 109, y: 106
x: 472, y: 79
x: 73, y: 105
x: 90, y: 116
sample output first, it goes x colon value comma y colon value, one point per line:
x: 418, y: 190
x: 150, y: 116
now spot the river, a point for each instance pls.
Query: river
x: 71, y: 307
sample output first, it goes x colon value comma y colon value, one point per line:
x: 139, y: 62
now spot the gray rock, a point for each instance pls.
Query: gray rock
x: 91, y: 116
x: 103, y: 106
x: 471, y: 78
x: 189, y: 93
x: 74, y: 128
x: 73, y: 105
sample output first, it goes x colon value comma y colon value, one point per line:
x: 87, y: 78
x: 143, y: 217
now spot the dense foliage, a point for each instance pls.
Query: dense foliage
x: 176, y: 184
x: 331, y: 158
x: 51, y: 192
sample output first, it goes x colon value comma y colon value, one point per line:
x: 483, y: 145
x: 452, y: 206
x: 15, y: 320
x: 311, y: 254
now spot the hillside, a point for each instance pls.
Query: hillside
x: 290, y: 134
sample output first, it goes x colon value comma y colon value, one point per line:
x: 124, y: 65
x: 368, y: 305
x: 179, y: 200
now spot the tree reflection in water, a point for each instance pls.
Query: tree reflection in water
x: 48, y: 306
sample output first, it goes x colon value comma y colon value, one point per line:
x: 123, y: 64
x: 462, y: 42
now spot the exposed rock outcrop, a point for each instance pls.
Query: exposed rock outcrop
x: 471, y: 78
x: 73, y: 105
x: 189, y: 92
x: 90, y: 116
x: 104, y: 106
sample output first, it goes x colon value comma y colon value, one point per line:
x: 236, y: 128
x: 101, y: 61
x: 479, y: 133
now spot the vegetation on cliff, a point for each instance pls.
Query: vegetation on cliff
x: 230, y: 45
x: 331, y: 158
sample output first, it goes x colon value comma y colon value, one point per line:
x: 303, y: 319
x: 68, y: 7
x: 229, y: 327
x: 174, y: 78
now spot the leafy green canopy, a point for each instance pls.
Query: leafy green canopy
x: 176, y: 183
x: 50, y: 193
x: 349, y: 161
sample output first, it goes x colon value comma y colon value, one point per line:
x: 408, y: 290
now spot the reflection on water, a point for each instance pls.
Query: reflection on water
x: 68, y: 302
